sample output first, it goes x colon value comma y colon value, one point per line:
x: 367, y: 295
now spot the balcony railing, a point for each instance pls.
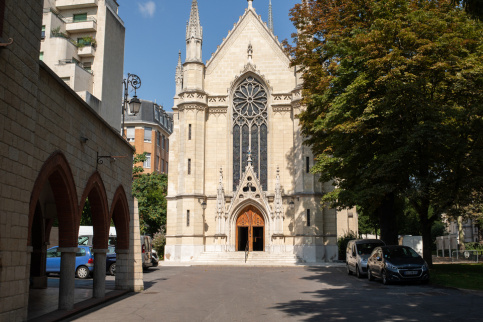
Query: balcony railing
x: 72, y: 26
x: 75, y: 4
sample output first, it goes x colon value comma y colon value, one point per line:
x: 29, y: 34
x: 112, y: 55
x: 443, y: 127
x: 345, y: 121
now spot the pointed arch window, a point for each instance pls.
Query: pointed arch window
x: 250, y: 117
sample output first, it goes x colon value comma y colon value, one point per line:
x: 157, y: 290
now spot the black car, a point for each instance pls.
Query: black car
x: 397, y: 264
x: 111, y: 260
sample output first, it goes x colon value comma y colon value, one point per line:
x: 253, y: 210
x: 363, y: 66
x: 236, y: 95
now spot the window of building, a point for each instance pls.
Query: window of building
x: 156, y: 165
x: 250, y: 119
x: 166, y: 167
x: 41, y: 55
x: 189, y: 166
x: 164, y: 143
x: 158, y: 138
x: 167, y: 145
x: 307, y: 164
x: 189, y: 132
x: 42, y: 35
x: 162, y: 166
x: 147, y: 134
x: 147, y: 163
x: 156, y: 114
x: 308, y: 217
x: 87, y: 66
x: 130, y: 133
x: 187, y: 218
x: 80, y: 17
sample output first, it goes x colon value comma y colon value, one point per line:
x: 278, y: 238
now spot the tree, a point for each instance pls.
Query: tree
x: 393, y: 93
x: 150, y: 191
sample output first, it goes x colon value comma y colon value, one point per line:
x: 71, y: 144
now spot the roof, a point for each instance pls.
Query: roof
x: 152, y: 113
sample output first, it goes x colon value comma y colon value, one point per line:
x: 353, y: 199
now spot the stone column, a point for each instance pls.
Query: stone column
x: 122, y: 269
x: 67, y: 277
x: 99, y: 273
x: 136, y: 261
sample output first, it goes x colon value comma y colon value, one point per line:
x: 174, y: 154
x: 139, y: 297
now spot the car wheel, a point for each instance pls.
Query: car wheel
x: 82, y: 272
x: 358, y: 274
x: 369, y: 275
x: 385, y: 281
x: 112, y: 269
x: 348, y: 269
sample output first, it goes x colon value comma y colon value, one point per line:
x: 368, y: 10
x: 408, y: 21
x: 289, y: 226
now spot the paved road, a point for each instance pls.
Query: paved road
x: 202, y: 293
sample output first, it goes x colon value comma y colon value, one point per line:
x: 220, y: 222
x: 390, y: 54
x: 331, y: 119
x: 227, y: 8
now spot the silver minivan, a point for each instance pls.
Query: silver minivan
x: 357, y: 253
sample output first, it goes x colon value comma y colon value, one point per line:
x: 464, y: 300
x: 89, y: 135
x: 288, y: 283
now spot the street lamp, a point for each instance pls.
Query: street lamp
x: 134, y: 104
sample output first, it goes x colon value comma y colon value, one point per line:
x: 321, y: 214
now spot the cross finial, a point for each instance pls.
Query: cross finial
x: 249, y: 157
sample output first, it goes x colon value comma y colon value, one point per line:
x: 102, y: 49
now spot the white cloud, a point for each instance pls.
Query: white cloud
x: 147, y: 9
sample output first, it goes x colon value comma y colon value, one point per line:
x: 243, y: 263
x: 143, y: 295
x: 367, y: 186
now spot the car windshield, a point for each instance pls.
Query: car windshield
x: 400, y: 252
x: 366, y: 249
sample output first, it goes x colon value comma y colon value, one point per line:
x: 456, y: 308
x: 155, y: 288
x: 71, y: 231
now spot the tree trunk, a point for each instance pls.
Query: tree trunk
x: 461, y: 234
x: 387, y: 220
x: 426, y: 224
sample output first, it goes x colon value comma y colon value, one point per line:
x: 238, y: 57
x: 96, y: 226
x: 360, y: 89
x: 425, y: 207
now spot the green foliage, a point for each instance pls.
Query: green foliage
x: 57, y: 33
x: 473, y: 246
x: 137, y: 164
x: 342, y: 243
x: 86, y: 219
x: 150, y: 190
x: 159, y: 241
x: 86, y: 41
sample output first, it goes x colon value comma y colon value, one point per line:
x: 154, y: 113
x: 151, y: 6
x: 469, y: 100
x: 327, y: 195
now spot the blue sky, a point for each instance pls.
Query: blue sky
x: 156, y: 31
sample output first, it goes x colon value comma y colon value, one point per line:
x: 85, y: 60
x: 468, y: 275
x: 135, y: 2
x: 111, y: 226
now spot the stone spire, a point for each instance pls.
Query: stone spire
x: 194, y: 35
x: 270, y: 16
x: 179, y: 75
x: 193, y: 27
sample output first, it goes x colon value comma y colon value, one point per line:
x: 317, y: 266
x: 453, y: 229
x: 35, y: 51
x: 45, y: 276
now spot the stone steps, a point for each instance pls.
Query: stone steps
x: 238, y: 258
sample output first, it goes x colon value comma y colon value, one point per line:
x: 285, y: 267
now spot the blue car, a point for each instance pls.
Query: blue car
x: 84, y: 261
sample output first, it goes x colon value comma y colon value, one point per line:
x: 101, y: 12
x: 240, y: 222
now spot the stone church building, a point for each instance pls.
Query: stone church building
x: 240, y: 174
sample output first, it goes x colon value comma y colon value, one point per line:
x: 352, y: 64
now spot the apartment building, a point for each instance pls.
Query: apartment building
x: 83, y: 43
x: 149, y: 131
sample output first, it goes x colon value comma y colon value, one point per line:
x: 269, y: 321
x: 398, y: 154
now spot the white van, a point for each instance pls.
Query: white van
x: 357, y: 253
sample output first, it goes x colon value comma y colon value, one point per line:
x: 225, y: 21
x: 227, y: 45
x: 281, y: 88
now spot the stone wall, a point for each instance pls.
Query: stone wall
x: 41, y: 116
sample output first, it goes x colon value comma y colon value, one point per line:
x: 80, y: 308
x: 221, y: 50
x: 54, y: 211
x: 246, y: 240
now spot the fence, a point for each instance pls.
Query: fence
x: 467, y: 256
x: 445, y: 245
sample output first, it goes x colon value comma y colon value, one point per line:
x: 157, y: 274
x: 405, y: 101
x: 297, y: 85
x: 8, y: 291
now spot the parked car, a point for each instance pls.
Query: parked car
x: 357, y: 253
x: 84, y: 261
x: 397, y: 264
x: 146, y: 250
x: 111, y: 260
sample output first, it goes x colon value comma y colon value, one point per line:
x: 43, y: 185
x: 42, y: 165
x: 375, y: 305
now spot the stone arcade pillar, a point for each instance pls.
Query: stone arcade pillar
x: 67, y: 277
x: 99, y: 273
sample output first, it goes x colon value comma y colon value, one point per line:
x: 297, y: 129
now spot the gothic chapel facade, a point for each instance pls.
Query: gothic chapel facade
x: 239, y: 175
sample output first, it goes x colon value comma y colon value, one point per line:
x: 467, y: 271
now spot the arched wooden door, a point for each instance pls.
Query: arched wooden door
x: 250, y: 228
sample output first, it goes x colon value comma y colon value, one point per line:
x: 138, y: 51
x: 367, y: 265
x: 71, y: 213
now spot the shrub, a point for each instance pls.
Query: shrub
x: 159, y: 241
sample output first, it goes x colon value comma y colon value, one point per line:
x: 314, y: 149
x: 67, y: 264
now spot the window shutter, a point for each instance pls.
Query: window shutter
x: 147, y: 134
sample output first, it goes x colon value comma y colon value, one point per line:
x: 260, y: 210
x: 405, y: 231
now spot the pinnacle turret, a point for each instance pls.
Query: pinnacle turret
x: 193, y: 27
x: 194, y: 35
x: 179, y: 75
x: 270, y: 16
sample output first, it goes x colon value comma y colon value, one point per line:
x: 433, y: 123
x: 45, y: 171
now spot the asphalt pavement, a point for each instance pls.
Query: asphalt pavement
x: 214, y: 293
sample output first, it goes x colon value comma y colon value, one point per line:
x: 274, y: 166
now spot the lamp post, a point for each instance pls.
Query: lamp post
x: 134, y: 104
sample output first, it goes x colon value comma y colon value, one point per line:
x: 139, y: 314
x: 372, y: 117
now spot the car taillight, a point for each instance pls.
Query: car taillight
x: 90, y: 261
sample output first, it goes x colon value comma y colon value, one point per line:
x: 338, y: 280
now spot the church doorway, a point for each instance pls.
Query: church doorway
x: 250, y: 229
